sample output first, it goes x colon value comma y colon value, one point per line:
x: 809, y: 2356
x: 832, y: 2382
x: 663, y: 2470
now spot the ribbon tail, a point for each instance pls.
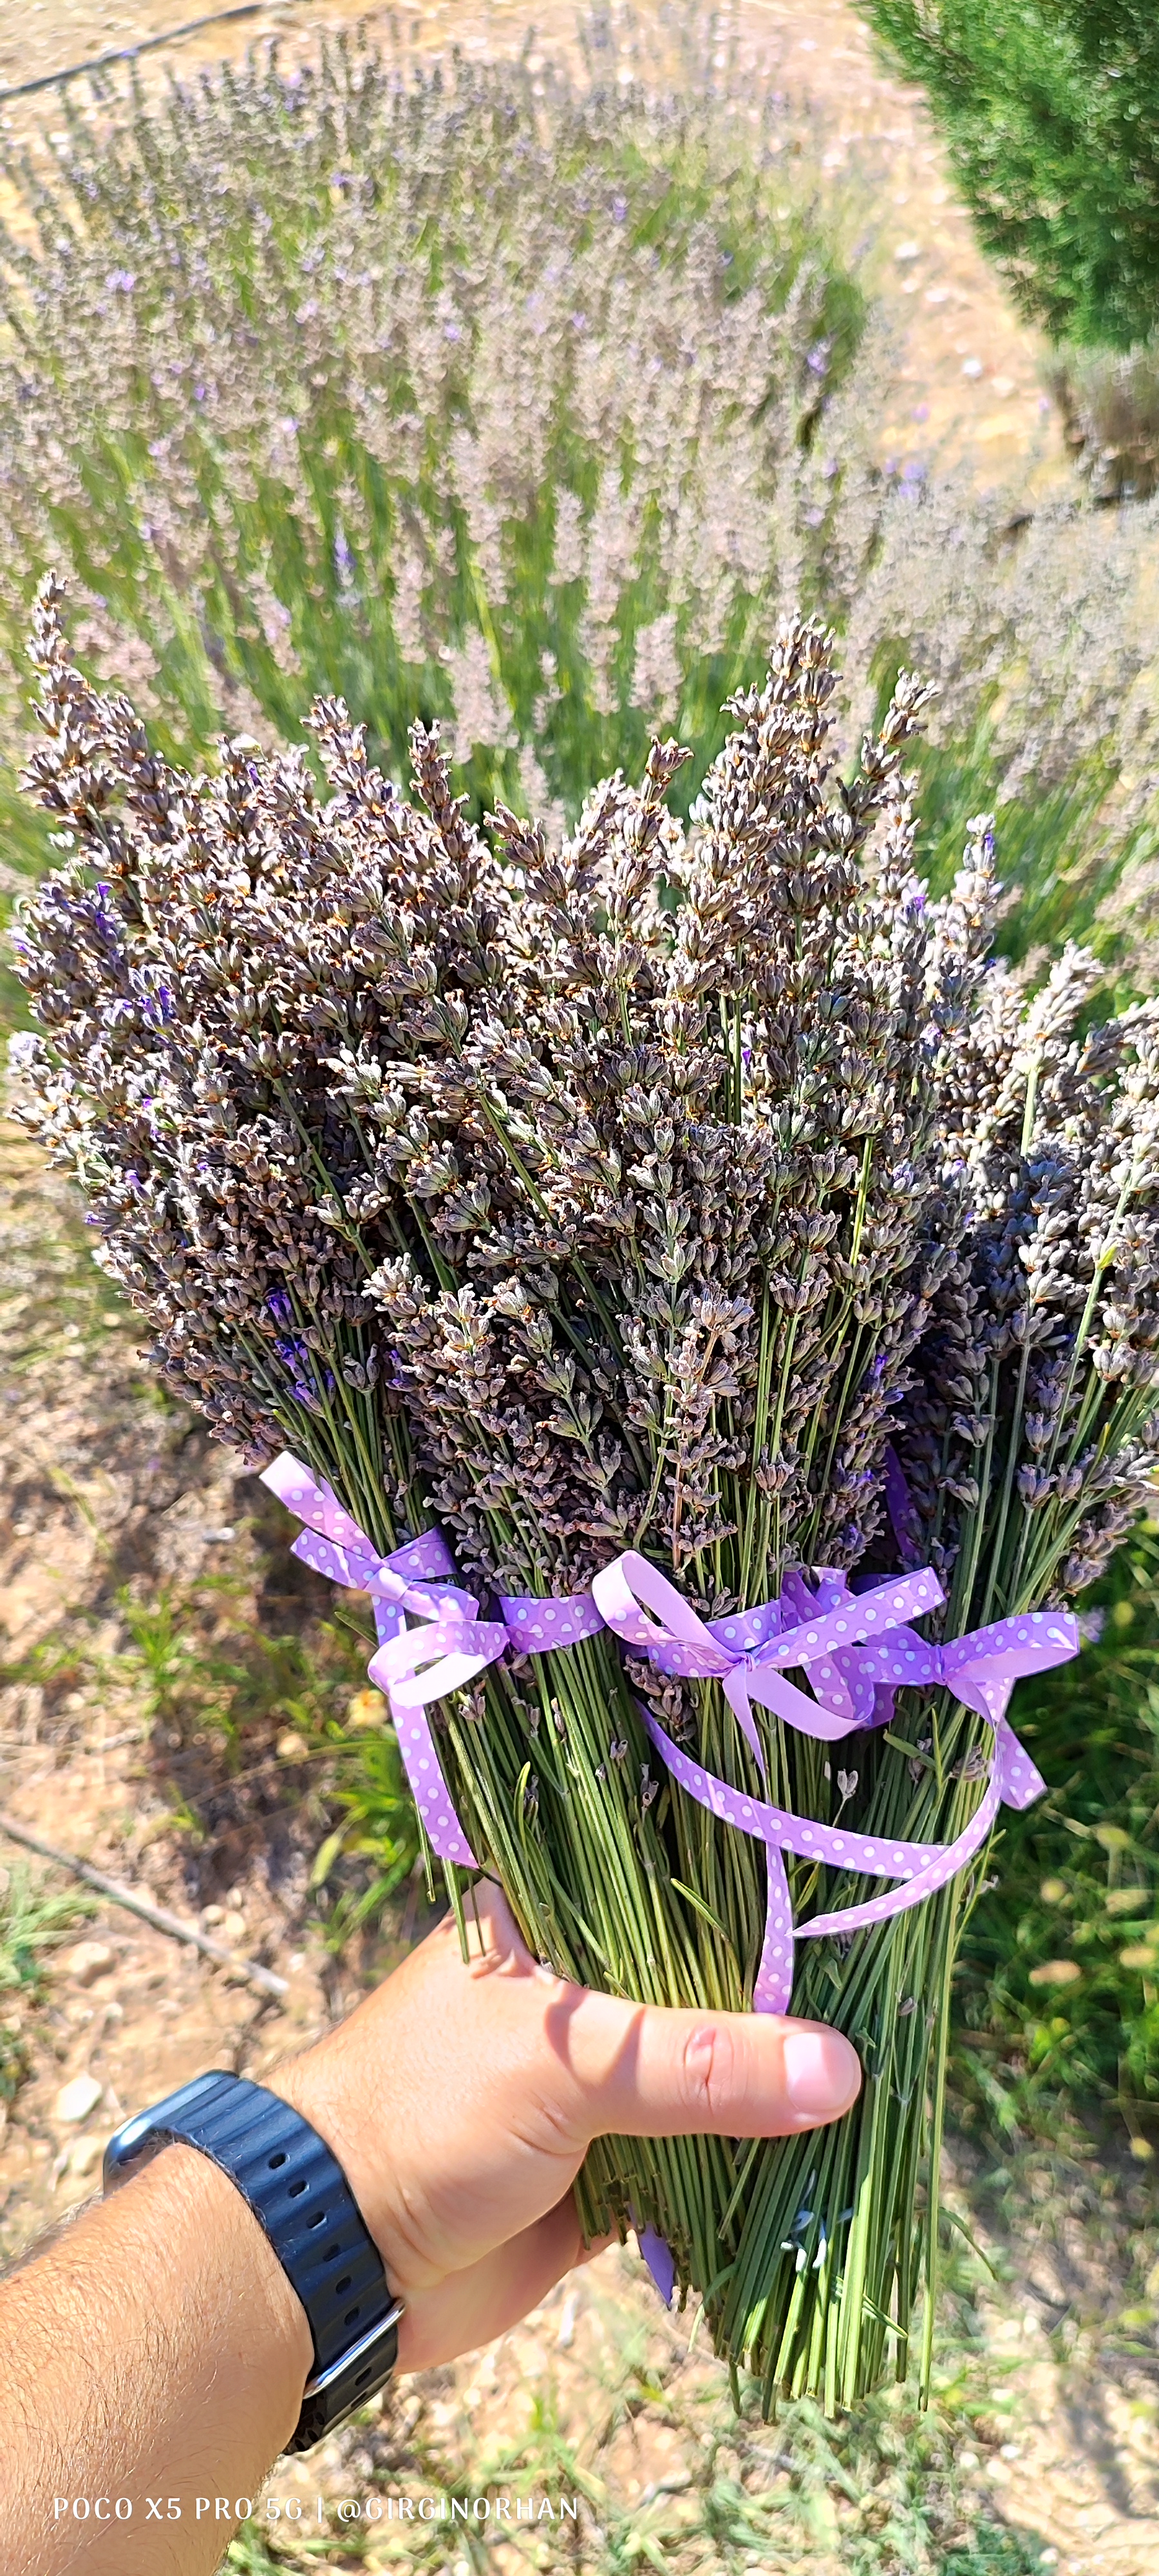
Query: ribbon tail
x: 394, y: 1668
x: 736, y: 1692
x: 773, y: 1988
x: 794, y: 1707
x: 658, y: 2255
x: 1018, y: 1779
x: 429, y: 1789
x: 944, y: 1863
x: 334, y: 1545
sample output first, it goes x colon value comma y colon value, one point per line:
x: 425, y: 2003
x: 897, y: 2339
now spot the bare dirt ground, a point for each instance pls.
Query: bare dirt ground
x: 110, y: 1498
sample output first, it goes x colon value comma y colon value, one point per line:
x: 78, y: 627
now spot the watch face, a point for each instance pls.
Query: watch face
x: 138, y: 2140
x: 132, y: 2157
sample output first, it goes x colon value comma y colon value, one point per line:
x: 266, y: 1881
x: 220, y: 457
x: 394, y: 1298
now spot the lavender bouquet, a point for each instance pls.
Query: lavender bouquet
x: 653, y: 1268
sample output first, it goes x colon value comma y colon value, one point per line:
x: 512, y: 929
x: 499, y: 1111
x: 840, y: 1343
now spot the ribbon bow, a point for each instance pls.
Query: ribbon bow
x: 820, y: 1633
x: 419, y: 1578
x: 858, y: 1652
x: 416, y: 1666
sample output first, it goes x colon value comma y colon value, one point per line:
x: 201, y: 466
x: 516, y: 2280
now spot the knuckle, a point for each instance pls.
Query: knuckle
x: 547, y: 2125
x: 709, y: 2067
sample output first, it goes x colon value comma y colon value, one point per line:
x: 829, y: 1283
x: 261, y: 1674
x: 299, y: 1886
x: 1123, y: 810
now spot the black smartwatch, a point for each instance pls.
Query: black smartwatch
x: 300, y: 2196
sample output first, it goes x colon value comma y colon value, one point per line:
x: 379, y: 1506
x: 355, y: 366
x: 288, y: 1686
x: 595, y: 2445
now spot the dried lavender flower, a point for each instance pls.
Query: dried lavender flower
x: 642, y: 1187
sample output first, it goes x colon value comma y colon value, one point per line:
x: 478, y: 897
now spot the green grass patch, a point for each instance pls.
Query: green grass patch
x: 1059, y: 1978
x: 35, y: 1917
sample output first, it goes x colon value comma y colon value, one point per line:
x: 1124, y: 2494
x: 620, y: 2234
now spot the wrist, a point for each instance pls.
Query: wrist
x: 266, y: 2321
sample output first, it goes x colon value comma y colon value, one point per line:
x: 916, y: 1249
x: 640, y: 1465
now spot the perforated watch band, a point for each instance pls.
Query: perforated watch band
x: 299, y: 2194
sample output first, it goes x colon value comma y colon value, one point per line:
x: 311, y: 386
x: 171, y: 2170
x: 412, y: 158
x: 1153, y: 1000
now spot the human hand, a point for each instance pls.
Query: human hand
x: 461, y: 2098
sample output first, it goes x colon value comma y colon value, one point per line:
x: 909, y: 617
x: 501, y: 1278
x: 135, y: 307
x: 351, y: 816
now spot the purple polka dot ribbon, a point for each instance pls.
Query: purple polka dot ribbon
x: 821, y: 1632
x: 857, y: 1652
x: 415, y: 1666
x: 419, y: 1579
x: 537, y: 1627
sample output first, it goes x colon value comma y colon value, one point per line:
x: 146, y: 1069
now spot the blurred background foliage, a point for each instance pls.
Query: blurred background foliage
x: 1050, y: 108
x: 1059, y: 1978
x: 1051, y: 111
x: 531, y: 406
x: 448, y: 398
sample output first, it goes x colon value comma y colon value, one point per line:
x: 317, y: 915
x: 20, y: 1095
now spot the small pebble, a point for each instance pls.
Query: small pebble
x: 75, y: 2100
x: 233, y: 1927
x: 85, y: 2156
x: 87, y: 1961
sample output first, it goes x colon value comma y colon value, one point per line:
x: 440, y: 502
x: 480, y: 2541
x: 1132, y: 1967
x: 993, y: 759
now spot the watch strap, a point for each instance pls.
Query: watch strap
x: 300, y: 2196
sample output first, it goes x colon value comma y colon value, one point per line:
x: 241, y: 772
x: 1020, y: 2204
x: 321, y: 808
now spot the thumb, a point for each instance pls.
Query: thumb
x: 650, y: 2073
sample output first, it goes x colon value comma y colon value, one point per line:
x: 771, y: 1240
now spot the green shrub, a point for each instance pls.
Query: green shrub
x: 1051, y: 109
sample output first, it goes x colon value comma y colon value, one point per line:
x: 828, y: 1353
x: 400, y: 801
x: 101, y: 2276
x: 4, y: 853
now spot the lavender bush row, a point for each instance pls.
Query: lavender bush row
x: 530, y: 407
x: 467, y: 394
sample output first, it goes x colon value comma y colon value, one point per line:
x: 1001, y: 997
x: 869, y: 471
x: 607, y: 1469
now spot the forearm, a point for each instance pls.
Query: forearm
x: 156, y: 2351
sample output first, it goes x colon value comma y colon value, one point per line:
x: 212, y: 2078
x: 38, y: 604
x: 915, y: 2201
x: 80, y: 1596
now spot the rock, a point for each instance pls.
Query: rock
x: 87, y: 1961
x: 76, y: 2100
x: 233, y: 1927
x: 211, y: 1914
x: 85, y: 2155
x: 292, y: 1748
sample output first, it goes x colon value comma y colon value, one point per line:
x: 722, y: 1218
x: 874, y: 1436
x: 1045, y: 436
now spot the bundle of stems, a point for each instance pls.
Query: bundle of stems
x: 637, y: 1193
